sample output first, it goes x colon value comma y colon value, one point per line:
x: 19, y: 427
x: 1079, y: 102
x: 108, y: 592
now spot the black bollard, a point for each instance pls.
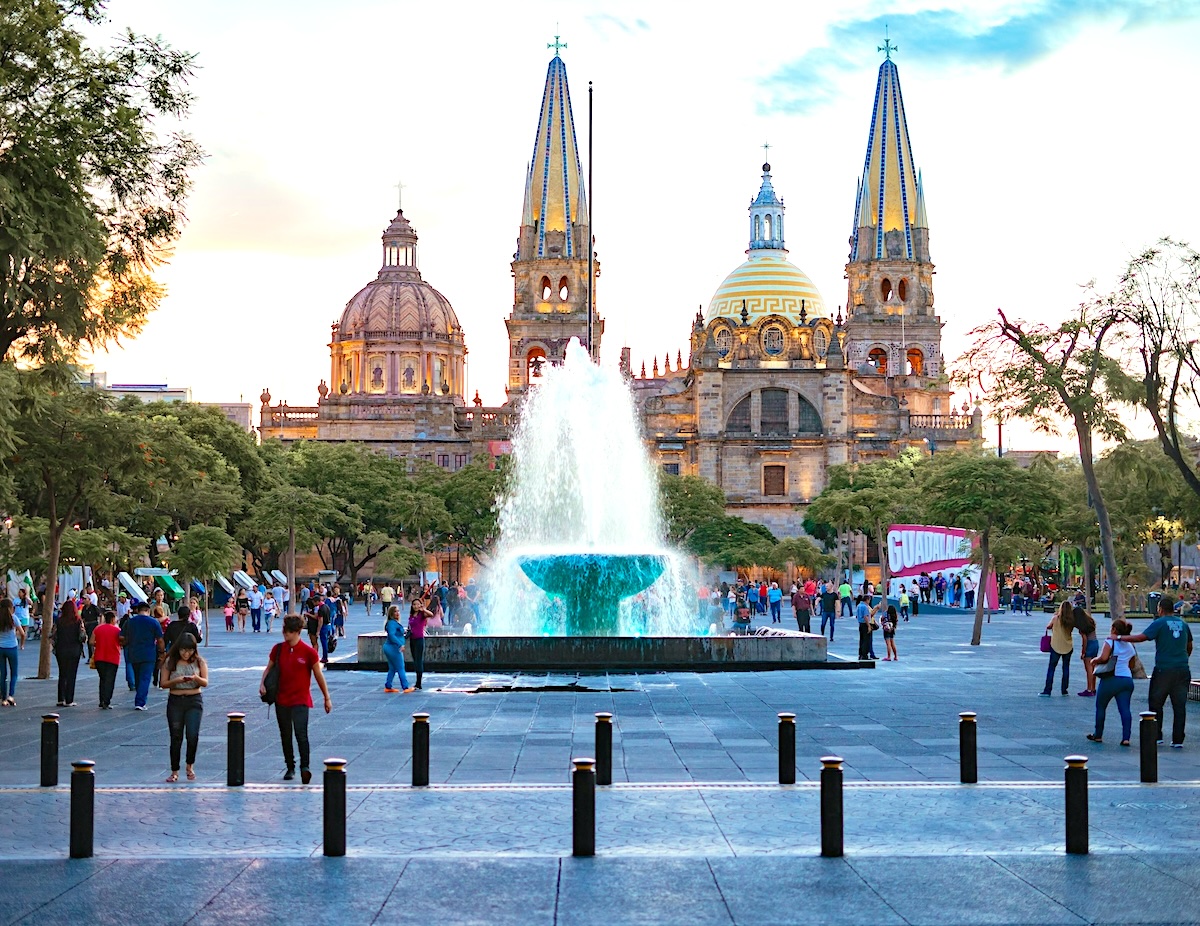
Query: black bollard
x: 604, y: 732
x: 583, y: 808
x: 968, y: 758
x: 335, y: 808
x: 420, y: 750
x: 235, y: 755
x: 1076, y: 780
x: 787, y: 749
x: 831, y: 807
x: 1148, y: 745
x: 49, y: 750
x: 83, y: 807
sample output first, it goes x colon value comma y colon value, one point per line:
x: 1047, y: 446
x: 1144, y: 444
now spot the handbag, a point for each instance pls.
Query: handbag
x: 1107, y: 668
x: 1045, y: 643
x: 1136, y: 669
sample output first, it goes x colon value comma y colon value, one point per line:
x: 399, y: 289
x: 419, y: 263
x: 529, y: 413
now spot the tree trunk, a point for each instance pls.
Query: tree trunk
x: 291, y: 569
x: 1089, y: 567
x: 884, y: 571
x: 980, y: 590
x: 52, y: 558
x: 1116, y: 595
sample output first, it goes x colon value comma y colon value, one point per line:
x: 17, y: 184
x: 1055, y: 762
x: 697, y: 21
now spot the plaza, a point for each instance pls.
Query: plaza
x: 694, y: 829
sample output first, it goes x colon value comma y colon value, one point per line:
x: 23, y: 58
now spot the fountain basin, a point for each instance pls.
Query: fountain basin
x: 467, y: 653
x: 592, y: 584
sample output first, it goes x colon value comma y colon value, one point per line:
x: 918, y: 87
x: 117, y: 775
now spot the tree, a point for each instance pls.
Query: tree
x: 1158, y: 367
x: 73, y: 452
x: 988, y: 495
x: 801, y: 552
x: 294, y: 515
x: 687, y: 503
x: 471, y: 496
x: 1050, y: 374
x: 422, y: 518
x: 845, y: 511
x: 92, y: 183
x: 200, y: 553
x: 731, y: 542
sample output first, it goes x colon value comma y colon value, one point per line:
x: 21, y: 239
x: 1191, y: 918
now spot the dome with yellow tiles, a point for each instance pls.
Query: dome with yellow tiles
x: 767, y: 283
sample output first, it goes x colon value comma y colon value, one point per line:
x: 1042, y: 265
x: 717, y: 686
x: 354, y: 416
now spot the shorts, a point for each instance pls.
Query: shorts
x: 889, y: 634
x: 1091, y: 649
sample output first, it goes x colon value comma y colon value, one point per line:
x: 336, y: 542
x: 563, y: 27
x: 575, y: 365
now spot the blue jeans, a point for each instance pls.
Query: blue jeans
x: 8, y: 671
x: 847, y: 609
x: 775, y: 615
x: 1120, y: 688
x: 1066, y: 673
x: 325, y: 643
x: 395, y: 661
x: 256, y: 619
x: 831, y: 617
x: 142, y: 674
x: 129, y: 679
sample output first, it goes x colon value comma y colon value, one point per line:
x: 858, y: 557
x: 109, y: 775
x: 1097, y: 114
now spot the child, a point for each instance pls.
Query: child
x: 889, y: 623
x: 228, y: 609
x: 904, y: 601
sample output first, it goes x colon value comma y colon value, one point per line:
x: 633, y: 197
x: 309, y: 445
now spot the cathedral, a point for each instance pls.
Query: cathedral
x: 775, y: 390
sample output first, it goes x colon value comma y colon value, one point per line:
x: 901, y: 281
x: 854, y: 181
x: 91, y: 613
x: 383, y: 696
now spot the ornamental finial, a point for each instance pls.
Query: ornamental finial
x: 887, y: 47
x: 556, y: 44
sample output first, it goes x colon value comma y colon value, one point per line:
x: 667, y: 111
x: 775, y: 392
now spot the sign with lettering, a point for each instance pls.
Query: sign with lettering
x: 916, y: 548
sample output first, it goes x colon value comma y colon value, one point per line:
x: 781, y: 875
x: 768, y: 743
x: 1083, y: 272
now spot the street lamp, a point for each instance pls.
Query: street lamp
x: 1025, y: 565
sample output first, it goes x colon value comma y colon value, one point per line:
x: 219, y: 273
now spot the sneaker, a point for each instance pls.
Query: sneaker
x: 305, y: 776
x: 70, y: 704
x: 1177, y: 745
x: 289, y: 774
x: 1043, y: 694
x: 1087, y: 694
x: 139, y: 707
x: 391, y: 690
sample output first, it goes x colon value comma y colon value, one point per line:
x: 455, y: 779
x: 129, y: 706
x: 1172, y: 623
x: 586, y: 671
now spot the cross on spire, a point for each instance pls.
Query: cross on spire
x: 556, y: 44
x: 399, y: 195
x: 766, y: 151
x: 887, y: 47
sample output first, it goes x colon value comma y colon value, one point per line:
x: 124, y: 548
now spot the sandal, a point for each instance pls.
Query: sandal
x: 1124, y: 742
x: 172, y: 778
x: 191, y: 774
x: 1094, y: 738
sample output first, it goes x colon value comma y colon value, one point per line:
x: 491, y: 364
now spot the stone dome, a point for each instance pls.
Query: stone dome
x: 398, y: 305
x: 770, y: 284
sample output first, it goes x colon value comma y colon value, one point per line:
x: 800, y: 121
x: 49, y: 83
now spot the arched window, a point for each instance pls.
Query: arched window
x: 545, y: 289
x: 810, y: 421
x: 902, y: 290
x: 564, y: 291
x: 820, y: 341
x: 534, y: 361
x: 739, y: 418
x: 916, y: 362
x: 758, y: 228
x: 724, y: 340
x: 878, y: 359
x: 770, y: 228
x: 885, y: 289
x: 773, y: 340
x: 774, y: 411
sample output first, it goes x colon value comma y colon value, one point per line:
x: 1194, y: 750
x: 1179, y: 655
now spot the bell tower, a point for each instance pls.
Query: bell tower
x: 891, y: 326
x: 550, y: 266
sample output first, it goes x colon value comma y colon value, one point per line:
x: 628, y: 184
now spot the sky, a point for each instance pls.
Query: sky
x: 1055, y: 138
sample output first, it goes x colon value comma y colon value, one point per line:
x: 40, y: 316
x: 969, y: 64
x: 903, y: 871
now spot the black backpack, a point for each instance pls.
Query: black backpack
x: 271, y: 682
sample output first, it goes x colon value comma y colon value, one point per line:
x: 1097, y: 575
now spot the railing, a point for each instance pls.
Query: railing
x: 941, y: 422
x: 487, y: 420
x: 282, y: 415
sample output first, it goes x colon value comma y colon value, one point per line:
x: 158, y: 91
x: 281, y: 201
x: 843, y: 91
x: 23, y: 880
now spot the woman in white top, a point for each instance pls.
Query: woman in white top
x: 1116, y: 681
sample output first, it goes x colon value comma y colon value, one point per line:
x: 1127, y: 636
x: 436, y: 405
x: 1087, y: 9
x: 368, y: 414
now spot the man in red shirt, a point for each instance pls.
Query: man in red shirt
x: 298, y: 663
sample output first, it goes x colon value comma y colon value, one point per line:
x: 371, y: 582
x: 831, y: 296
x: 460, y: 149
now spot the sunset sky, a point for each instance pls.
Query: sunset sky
x: 1054, y: 137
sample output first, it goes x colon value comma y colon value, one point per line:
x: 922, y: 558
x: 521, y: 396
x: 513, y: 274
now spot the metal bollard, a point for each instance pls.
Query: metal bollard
x: 1148, y: 745
x: 968, y: 757
x: 831, y: 807
x: 49, y: 750
x: 787, y: 749
x: 420, y: 750
x: 335, y: 808
x: 583, y: 808
x: 83, y: 807
x: 604, y: 733
x: 235, y: 754
x: 1076, y: 780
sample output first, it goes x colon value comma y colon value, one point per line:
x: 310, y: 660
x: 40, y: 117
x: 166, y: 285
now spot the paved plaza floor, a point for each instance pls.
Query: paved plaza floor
x: 694, y: 831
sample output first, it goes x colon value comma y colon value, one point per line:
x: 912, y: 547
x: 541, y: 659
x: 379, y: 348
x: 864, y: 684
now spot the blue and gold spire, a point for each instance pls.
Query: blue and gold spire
x: 889, y: 209
x: 555, y: 196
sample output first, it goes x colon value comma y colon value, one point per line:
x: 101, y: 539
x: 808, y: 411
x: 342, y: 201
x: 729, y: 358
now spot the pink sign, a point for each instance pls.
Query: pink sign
x: 916, y: 548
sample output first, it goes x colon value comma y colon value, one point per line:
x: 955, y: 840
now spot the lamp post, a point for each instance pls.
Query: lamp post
x: 1025, y: 565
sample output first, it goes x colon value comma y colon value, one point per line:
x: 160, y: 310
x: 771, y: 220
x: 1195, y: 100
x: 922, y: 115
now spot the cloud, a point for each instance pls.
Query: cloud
x: 1010, y: 40
x: 604, y: 23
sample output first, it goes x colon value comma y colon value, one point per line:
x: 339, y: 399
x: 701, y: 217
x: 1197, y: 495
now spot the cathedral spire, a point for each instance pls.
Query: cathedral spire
x: 889, y: 209
x: 766, y: 216
x: 555, y: 196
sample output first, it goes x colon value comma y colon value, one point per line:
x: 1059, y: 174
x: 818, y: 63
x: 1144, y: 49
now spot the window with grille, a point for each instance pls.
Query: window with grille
x: 810, y: 421
x: 773, y: 340
x: 774, y: 480
x: 739, y: 418
x: 443, y: 460
x: 671, y: 469
x: 774, y: 411
x: 724, y: 340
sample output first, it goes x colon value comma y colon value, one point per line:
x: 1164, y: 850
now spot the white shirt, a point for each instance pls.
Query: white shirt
x: 123, y: 608
x: 256, y: 598
x: 280, y: 595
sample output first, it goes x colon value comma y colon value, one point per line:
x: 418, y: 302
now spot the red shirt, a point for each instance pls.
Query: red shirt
x: 107, y: 648
x: 295, y: 673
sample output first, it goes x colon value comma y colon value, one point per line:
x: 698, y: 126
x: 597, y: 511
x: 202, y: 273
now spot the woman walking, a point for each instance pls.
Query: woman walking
x: 184, y: 674
x: 393, y: 651
x: 107, y: 650
x: 12, y: 640
x: 418, y: 615
x: 889, y: 623
x: 1061, y: 648
x: 67, y: 639
x: 1116, y: 681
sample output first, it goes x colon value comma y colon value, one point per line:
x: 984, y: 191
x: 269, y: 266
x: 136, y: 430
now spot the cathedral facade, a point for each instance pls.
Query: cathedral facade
x: 775, y: 390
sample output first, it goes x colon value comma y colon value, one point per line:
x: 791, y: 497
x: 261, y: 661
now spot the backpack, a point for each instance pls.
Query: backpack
x: 271, y: 682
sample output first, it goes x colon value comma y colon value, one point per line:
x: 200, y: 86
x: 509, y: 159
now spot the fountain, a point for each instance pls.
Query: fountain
x: 582, y: 577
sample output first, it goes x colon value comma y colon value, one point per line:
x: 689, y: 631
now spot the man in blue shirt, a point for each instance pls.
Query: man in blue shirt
x: 1171, y: 677
x: 143, y: 642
